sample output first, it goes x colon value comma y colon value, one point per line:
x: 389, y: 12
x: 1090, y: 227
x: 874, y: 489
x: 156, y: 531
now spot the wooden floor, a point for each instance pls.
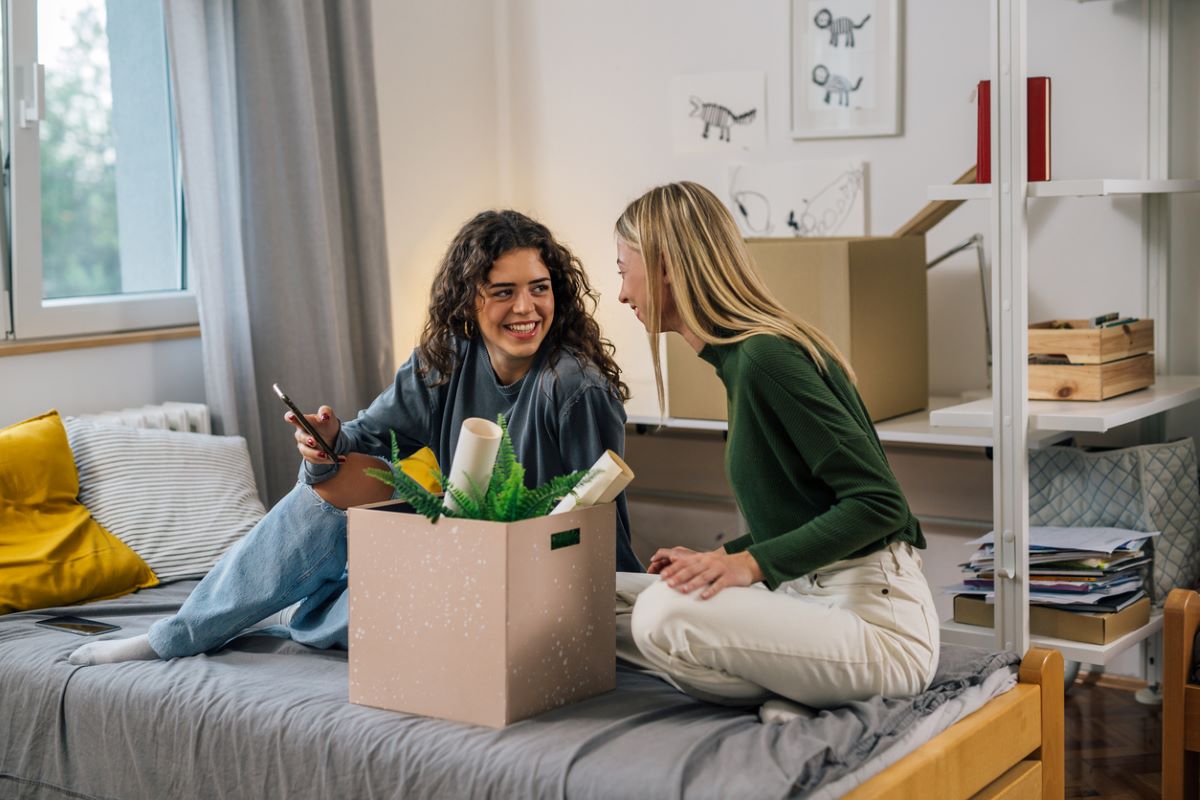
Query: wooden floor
x: 1112, y: 744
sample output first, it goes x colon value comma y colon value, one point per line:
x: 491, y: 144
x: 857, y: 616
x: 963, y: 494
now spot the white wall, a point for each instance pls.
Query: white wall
x: 100, y: 379
x: 435, y: 69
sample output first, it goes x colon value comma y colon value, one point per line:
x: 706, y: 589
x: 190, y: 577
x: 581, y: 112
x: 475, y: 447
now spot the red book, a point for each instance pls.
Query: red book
x: 1037, y: 92
x: 983, y: 147
x: 1037, y: 131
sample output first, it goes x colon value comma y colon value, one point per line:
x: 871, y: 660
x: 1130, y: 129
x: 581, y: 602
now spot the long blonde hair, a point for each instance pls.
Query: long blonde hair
x: 683, y: 228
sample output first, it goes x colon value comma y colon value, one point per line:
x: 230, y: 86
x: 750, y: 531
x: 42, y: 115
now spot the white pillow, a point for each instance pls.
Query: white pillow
x: 179, y: 500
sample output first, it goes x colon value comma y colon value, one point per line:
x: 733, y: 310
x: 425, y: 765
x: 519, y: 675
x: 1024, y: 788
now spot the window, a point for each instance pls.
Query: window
x: 94, y: 201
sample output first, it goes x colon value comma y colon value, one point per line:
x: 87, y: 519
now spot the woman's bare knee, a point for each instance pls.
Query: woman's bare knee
x: 352, y: 486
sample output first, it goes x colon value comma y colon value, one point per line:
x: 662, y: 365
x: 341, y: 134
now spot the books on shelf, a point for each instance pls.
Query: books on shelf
x: 1070, y: 569
x: 1037, y: 130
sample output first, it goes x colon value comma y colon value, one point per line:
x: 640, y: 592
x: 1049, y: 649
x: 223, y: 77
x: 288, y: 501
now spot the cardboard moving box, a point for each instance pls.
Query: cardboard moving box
x: 1049, y: 621
x: 867, y: 294
x: 483, y: 622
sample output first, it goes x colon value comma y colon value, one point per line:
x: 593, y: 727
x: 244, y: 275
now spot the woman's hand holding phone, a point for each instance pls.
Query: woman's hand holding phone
x: 326, y: 424
x: 315, y: 433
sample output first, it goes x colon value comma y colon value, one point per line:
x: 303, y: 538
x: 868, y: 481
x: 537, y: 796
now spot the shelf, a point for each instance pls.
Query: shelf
x: 912, y: 428
x: 917, y: 428
x: 1169, y: 391
x: 1103, y: 187
x: 1098, y: 654
x: 1092, y: 187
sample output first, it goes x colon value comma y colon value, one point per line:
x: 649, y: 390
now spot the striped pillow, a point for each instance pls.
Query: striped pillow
x: 178, y: 500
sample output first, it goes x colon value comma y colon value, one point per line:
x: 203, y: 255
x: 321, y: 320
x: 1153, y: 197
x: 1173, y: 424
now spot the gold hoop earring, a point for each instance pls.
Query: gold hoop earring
x: 466, y: 330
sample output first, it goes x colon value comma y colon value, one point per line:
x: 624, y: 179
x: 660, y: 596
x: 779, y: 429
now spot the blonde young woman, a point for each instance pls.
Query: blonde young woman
x: 823, y: 601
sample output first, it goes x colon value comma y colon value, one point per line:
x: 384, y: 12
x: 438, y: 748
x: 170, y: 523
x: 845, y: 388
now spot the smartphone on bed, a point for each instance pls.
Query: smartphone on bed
x: 306, y: 425
x: 77, y: 625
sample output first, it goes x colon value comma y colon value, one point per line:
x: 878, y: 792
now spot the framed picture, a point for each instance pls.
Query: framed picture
x: 846, y: 68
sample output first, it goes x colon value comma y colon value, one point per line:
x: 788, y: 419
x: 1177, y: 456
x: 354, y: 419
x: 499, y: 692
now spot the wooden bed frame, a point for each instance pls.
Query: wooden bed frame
x: 1011, y: 748
x: 1181, y: 698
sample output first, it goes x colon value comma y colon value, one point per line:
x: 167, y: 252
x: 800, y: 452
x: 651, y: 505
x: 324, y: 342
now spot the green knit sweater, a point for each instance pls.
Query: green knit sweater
x: 806, y: 467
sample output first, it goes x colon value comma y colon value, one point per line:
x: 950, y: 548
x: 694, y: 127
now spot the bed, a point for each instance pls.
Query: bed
x: 1181, y: 696
x: 265, y: 718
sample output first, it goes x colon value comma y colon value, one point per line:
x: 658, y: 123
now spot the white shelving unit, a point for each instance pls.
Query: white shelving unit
x: 1013, y: 421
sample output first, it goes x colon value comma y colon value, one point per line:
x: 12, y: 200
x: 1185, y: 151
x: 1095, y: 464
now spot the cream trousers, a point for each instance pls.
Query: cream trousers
x: 849, y: 631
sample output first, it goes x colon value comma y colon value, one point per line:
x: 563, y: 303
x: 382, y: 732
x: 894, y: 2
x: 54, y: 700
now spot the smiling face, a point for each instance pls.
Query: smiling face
x: 632, y: 269
x: 631, y: 266
x: 514, y: 311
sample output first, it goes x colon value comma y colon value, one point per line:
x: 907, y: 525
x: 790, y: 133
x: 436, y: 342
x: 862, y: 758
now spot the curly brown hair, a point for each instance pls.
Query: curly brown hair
x: 463, y: 273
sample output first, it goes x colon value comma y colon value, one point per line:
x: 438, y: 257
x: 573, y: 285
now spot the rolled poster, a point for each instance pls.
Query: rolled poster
x: 474, y: 458
x: 609, y: 477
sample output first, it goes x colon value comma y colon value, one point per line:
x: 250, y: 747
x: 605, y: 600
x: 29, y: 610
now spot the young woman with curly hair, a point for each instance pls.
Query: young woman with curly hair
x: 823, y: 601
x: 509, y: 331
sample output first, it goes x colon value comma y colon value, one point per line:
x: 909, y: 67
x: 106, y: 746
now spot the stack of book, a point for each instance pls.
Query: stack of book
x: 1090, y: 570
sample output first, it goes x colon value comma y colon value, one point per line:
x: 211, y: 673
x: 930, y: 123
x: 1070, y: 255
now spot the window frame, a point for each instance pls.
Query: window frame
x: 30, y: 315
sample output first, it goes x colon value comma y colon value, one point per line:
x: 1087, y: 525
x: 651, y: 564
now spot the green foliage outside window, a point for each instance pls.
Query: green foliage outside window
x: 80, y: 251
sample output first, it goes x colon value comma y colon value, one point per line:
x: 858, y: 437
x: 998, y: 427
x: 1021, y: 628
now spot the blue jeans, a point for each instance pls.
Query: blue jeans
x: 296, y: 552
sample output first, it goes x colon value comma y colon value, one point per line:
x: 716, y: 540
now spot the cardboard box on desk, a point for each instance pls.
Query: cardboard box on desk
x: 868, y: 294
x: 482, y: 622
x: 1059, y: 624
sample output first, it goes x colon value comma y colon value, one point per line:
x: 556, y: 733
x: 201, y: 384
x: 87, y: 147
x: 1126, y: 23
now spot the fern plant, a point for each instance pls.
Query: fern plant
x: 504, y: 499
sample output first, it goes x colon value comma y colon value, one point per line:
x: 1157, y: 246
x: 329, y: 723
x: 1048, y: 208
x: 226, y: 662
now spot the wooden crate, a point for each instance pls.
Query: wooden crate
x: 1090, y: 381
x: 1082, y: 344
x: 1103, y: 362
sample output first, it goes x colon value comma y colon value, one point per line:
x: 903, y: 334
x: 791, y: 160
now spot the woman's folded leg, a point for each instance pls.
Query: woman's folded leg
x: 299, y: 545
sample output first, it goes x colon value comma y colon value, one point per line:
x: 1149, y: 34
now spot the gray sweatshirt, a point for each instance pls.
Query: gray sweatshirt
x: 561, y: 417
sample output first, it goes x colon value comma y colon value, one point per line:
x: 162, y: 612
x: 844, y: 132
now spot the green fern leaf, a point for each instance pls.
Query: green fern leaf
x: 417, y: 496
x: 467, y: 506
x: 384, y: 475
x: 555, y: 490
x: 509, y: 499
x: 505, y: 458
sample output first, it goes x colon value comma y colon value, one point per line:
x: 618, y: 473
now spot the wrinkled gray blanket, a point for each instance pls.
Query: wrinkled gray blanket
x: 267, y: 718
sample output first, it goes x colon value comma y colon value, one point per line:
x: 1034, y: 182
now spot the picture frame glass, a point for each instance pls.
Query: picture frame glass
x: 845, y: 68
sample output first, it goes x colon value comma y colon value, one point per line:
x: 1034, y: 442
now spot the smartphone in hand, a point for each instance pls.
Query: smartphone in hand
x: 303, y: 422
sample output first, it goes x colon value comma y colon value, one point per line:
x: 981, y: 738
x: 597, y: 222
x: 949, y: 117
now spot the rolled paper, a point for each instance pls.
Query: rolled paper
x: 474, y: 458
x: 609, y: 477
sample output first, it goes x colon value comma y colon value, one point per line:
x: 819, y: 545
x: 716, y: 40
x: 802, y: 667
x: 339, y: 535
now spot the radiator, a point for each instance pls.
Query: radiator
x: 191, y: 417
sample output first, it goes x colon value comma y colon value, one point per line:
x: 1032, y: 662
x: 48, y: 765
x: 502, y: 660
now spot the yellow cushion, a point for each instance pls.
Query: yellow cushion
x: 422, y: 466
x: 51, y: 550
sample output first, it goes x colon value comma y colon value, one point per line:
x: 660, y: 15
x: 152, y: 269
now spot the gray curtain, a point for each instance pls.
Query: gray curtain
x: 279, y: 141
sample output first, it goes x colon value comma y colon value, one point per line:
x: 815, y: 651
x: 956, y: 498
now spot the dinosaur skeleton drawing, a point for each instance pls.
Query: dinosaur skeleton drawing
x: 835, y: 85
x: 716, y: 114
x: 842, y: 28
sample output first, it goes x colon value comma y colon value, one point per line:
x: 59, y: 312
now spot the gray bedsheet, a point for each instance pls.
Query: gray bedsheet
x: 267, y: 718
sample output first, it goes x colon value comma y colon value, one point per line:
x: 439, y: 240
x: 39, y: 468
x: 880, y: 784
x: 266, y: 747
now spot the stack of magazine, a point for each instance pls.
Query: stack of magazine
x: 1092, y: 570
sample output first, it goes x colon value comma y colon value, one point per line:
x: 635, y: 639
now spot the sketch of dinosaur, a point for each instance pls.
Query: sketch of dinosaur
x: 719, y: 115
x: 834, y: 84
x: 838, y: 26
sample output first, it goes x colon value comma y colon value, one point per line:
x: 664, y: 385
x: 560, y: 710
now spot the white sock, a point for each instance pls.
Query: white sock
x: 283, y: 617
x: 136, y: 648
